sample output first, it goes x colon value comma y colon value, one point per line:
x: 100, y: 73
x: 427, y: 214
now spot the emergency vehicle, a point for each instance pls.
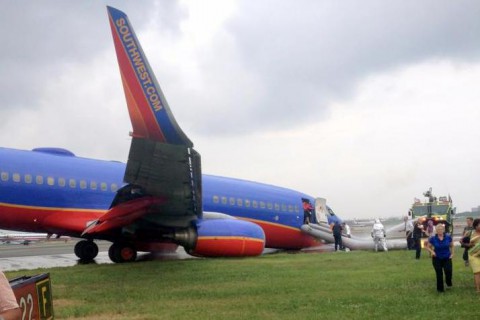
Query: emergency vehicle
x: 437, y: 210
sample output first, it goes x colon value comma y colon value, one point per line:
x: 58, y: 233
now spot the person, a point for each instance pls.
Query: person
x: 430, y: 232
x: 417, y: 238
x: 346, y: 231
x: 378, y: 234
x: 9, y: 309
x: 441, y: 249
x: 409, y: 233
x: 307, y: 211
x: 337, y: 235
x: 464, y: 242
x: 474, y: 253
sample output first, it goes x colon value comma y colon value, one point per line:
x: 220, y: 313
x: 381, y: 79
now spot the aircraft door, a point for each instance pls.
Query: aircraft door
x: 321, y: 210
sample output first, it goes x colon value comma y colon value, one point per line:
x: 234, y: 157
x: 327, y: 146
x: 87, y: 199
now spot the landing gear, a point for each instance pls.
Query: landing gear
x: 122, y: 252
x: 86, y: 250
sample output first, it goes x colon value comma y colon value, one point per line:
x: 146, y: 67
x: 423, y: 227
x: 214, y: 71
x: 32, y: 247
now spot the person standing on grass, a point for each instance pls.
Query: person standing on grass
x: 337, y: 235
x: 464, y: 242
x: 379, y: 236
x: 430, y: 232
x: 9, y: 309
x: 474, y: 253
x: 346, y: 231
x: 417, y: 238
x: 409, y: 232
x: 441, y: 248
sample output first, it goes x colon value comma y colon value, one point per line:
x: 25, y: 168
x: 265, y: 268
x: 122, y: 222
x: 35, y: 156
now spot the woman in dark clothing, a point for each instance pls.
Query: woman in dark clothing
x: 417, y: 237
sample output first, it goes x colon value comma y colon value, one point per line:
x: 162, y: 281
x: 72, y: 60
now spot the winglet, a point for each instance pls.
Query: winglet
x: 149, y: 111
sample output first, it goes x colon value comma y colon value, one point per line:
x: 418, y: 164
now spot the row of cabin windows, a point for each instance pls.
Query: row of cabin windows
x: 255, y: 204
x: 61, y: 182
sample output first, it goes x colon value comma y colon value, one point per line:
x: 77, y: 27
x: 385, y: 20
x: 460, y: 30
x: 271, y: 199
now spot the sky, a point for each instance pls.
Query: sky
x: 367, y: 104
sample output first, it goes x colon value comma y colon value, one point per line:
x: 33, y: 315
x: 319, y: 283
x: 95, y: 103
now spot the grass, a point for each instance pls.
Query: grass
x: 353, y: 285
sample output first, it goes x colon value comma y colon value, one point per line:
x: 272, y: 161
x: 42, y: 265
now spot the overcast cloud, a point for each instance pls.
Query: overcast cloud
x: 367, y: 104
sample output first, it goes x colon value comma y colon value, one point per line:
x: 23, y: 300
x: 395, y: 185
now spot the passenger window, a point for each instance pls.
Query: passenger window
x: 16, y: 177
x: 255, y: 203
x: 290, y: 208
x: 262, y: 205
x: 215, y: 199
x: 239, y: 202
x: 61, y: 182
x: 4, y: 176
x: 50, y: 181
x: 296, y: 209
x: 93, y: 185
x: 83, y: 184
x: 72, y: 183
x: 27, y: 178
x: 39, y: 180
x: 232, y: 201
x: 269, y: 205
x: 277, y: 207
x: 284, y: 207
x: 247, y: 203
x: 113, y: 187
x: 224, y: 200
x: 103, y: 186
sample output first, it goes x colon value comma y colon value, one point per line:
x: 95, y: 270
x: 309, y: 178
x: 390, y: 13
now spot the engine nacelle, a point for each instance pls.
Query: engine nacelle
x: 228, y: 238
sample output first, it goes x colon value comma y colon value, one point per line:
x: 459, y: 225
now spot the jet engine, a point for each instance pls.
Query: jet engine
x: 222, y: 238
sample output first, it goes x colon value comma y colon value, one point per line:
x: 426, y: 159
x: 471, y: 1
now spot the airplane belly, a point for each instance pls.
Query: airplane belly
x: 46, y: 220
x: 284, y: 237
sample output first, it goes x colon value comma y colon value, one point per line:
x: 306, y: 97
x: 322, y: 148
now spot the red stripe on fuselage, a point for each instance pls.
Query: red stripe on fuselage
x: 62, y: 221
x: 144, y: 121
x: 280, y: 236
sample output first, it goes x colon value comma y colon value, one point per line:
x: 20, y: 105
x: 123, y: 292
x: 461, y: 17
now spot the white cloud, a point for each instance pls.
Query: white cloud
x: 403, y: 132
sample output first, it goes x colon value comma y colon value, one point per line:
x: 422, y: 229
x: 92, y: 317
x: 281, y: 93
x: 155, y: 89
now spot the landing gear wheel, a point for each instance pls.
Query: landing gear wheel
x: 86, y: 250
x: 121, y: 252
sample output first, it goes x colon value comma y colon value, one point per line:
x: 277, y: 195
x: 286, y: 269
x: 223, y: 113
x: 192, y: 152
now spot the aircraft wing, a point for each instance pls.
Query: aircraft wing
x: 122, y: 215
x: 162, y: 163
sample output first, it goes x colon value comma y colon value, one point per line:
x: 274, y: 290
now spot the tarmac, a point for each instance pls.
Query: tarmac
x: 50, y: 254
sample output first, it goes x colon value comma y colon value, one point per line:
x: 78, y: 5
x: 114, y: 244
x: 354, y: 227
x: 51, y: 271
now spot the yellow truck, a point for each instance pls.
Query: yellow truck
x: 438, y: 210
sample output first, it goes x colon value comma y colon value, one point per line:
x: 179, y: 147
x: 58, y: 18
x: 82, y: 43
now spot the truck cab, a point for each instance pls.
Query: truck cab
x: 437, y: 210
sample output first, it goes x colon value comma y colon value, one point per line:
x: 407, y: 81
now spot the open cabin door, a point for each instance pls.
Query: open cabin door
x: 321, y: 210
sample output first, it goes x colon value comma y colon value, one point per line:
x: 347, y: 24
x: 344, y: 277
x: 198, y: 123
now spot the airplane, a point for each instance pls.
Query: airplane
x: 21, y: 238
x: 159, y: 199
x: 26, y: 238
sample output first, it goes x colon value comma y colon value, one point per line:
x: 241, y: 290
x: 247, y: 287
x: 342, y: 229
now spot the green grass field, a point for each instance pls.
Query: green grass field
x: 343, y: 285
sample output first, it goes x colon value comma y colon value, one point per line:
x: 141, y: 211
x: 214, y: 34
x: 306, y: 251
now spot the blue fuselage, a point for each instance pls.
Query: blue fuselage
x: 47, y: 180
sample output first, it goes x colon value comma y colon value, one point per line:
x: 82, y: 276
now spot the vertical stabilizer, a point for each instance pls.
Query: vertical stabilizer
x: 149, y: 111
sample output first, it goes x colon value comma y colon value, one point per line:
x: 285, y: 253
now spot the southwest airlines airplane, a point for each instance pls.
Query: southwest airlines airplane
x: 159, y: 199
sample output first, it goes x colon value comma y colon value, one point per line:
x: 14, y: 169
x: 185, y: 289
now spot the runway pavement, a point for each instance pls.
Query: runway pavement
x: 55, y: 253
x: 50, y: 254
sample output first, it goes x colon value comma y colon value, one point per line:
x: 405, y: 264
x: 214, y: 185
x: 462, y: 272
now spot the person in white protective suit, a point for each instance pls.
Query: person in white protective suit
x: 379, y: 235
